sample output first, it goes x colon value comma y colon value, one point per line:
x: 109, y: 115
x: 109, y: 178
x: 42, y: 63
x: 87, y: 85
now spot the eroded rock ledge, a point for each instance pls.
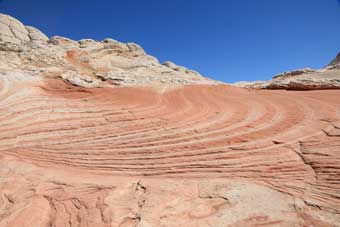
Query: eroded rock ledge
x: 302, y: 79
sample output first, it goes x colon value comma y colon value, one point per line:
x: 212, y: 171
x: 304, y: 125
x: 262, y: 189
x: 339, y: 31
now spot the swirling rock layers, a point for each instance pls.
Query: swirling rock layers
x: 121, y: 153
x: 87, y: 140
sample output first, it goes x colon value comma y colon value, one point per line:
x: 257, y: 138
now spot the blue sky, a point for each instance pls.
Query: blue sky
x: 228, y: 40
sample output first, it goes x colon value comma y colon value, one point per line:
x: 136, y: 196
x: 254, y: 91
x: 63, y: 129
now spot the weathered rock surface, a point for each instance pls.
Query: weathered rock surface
x: 294, y: 73
x: 302, y: 79
x: 108, y: 63
x: 85, y: 140
x: 335, y: 63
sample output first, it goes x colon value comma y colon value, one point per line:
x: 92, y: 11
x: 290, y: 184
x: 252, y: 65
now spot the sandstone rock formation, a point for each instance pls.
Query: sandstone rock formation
x: 302, y: 79
x: 335, y: 63
x: 91, y: 135
x: 86, y: 62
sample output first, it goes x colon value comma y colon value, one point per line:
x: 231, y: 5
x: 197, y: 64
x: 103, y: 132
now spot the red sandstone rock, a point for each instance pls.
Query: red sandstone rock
x: 195, y: 155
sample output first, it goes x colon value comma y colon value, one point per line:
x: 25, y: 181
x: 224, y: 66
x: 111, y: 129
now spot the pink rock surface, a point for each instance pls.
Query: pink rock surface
x: 87, y: 140
x: 197, y: 155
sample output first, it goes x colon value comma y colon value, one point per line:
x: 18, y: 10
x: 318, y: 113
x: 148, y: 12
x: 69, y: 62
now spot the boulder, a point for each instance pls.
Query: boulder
x: 63, y: 41
x: 114, y: 45
x: 35, y: 34
x: 12, y: 30
x: 135, y: 48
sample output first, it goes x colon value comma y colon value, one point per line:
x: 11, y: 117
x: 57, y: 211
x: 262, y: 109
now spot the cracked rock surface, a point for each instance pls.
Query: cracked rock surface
x: 101, y: 134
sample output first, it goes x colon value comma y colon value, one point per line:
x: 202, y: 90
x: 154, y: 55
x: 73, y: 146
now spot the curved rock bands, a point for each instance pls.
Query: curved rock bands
x: 138, y: 125
x: 99, y: 133
x: 283, y: 140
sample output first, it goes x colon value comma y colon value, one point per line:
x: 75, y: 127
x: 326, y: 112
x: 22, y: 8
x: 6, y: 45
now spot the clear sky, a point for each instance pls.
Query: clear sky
x: 228, y: 40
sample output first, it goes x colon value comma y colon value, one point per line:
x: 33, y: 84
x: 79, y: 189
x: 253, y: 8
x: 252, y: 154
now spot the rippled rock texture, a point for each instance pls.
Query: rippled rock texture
x: 76, y: 150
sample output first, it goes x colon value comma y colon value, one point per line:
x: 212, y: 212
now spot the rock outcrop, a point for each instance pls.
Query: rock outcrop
x: 335, y: 63
x: 108, y: 63
x: 293, y: 73
x: 302, y: 79
x: 86, y: 140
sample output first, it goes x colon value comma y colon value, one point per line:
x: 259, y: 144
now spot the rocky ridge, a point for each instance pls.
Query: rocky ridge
x: 86, y: 63
x: 302, y: 79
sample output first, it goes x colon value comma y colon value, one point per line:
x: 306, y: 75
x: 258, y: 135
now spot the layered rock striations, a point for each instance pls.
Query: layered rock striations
x: 92, y: 135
